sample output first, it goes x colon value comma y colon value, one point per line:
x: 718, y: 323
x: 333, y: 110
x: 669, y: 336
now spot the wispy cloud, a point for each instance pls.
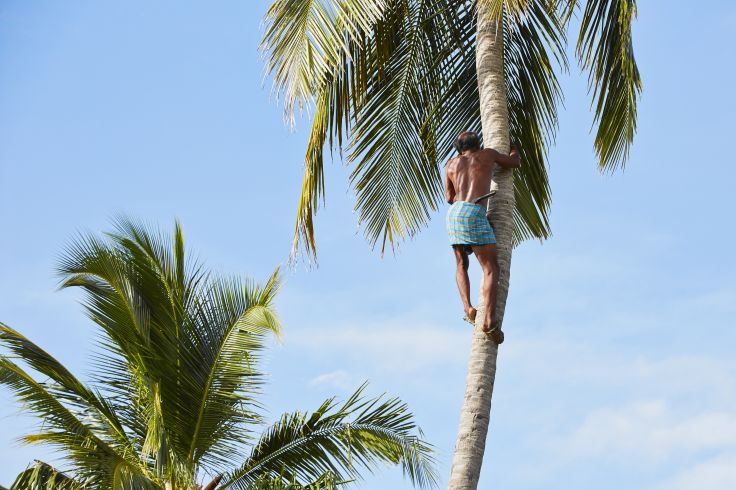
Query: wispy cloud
x: 389, y: 346
x: 340, y: 379
x: 630, y: 410
x: 718, y: 473
x: 586, y: 362
x: 650, y: 431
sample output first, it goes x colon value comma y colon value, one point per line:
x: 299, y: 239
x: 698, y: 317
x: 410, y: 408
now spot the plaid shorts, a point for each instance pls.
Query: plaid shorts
x: 467, y: 224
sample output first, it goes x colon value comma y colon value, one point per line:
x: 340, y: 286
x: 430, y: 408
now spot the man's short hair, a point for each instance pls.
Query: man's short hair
x: 467, y: 140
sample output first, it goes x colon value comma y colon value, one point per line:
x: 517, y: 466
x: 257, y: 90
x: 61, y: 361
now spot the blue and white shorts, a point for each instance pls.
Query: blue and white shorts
x: 467, y: 224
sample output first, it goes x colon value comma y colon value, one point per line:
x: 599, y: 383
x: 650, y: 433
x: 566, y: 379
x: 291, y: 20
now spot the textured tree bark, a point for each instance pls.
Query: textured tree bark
x: 476, y: 409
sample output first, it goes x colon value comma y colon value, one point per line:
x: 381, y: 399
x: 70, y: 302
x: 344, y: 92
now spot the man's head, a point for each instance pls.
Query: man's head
x: 467, y: 140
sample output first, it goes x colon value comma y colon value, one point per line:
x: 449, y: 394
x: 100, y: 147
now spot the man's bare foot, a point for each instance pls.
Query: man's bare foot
x: 470, y: 313
x: 493, y: 330
x: 497, y: 336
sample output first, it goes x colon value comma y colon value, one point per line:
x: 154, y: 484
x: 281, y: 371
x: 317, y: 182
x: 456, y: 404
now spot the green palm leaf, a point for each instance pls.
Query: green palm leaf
x: 179, y: 341
x: 225, y: 392
x: 306, y: 40
x: 304, y: 447
x: 534, y: 44
x: 280, y: 482
x: 605, y: 49
x: 42, y: 476
x: 396, y: 174
x: 67, y: 387
x: 315, y: 47
x: 94, y: 459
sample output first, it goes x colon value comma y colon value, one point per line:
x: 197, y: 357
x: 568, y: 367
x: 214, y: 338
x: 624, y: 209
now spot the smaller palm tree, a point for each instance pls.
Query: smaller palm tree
x: 173, y: 398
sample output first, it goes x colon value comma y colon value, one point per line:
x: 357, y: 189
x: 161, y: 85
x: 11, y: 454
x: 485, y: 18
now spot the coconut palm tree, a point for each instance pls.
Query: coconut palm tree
x: 393, y: 82
x: 173, y: 398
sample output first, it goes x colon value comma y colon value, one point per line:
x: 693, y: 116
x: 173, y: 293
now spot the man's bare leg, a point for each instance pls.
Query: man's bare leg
x: 488, y: 259
x: 463, y: 281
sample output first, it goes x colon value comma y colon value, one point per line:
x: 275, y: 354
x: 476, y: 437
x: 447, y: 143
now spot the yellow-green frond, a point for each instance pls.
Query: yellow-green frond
x: 605, y: 49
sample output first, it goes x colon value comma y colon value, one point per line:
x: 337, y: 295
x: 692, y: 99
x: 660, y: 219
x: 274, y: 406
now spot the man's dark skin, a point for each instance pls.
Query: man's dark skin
x: 467, y: 178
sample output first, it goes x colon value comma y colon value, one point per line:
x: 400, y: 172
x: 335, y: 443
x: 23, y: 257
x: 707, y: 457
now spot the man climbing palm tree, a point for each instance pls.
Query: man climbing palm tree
x: 467, y: 180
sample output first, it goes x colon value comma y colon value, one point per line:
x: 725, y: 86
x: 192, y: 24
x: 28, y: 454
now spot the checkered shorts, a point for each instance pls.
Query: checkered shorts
x: 467, y: 225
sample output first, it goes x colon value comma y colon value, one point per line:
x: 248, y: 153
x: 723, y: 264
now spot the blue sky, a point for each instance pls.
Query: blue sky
x: 618, y: 369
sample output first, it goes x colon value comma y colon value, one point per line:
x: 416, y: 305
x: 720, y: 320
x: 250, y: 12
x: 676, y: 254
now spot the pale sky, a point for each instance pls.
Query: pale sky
x: 618, y: 369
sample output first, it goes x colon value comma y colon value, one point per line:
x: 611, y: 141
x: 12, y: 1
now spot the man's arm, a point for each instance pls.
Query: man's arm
x: 449, y: 188
x: 512, y: 160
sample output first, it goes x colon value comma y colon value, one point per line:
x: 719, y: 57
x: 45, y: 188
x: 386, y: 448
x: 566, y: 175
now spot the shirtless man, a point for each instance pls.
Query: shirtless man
x: 467, y: 184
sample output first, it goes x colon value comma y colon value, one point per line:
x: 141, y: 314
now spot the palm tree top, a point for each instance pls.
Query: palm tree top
x: 174, y: 393
x: 392, y: 82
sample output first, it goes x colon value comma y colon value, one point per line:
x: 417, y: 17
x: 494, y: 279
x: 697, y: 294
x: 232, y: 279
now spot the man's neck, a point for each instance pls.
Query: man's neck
x: 468, y: 152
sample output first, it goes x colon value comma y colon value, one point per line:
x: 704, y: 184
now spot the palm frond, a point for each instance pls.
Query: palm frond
x: 332, y: 110
x: 304, y: 447
x: 314, y: 53
x: 305, y: 40
x: 605, y: 49
x: 66, y: 386
x: 534, y: 45
x: 39, y: 400
x: 92, y: 457
x: 396, y: 175
x: 43, y: 476
x: 233, y: 323
x: 280, y: 482
x: 131, y: 293
x: 111, y: 301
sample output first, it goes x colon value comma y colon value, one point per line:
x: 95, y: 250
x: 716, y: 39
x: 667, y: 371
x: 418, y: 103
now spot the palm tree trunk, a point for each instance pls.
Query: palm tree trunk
x: 476, y: 409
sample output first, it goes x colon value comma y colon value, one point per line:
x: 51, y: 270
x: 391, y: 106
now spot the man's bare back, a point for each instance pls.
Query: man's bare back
x: 468, y: 175
x: 467, y: 184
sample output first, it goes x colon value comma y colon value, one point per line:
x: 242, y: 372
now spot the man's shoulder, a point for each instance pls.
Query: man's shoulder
x: 488, y: 155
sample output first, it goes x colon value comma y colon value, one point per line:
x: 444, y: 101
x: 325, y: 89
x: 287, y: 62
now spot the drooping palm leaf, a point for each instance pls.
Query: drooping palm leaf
x: 280, y: 482
x: 306, y: 39
x: 314, y: 47
x: 43, y: 476
x: 67, y: 388
x: 339, y: 440
x: 606, y: 50
x: 95, y: 460
x: 534, y: 43
x: 396, y: 175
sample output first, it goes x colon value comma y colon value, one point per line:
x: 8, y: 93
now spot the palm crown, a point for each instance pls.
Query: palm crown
x: 174, y: 393
x: 394, y: 81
